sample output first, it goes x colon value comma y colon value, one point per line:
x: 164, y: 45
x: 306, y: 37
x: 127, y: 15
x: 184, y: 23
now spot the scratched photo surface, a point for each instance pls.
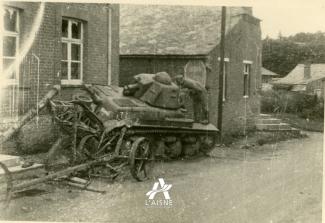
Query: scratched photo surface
x: 120, y: 112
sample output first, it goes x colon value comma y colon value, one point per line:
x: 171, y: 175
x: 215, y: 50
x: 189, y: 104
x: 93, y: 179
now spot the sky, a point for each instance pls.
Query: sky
x: 290, y: 17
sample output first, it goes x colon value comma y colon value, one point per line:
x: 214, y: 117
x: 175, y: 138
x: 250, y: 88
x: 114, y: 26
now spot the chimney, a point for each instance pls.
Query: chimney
x: 248, y: 10
x: 307, y: 70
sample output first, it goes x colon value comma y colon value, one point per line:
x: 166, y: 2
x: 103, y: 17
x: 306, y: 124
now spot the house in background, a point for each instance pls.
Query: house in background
x: 267, y: 78
x: 267, y: 75
x: 75, y: 44
x: 305, y: 78
x: 185, y: 40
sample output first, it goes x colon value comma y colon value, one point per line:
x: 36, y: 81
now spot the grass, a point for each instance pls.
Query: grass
x: 315, y: 125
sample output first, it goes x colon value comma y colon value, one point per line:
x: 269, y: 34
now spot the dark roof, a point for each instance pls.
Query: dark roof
x: 266, y: 72
x: 173, y: 30
x: 296, y: 76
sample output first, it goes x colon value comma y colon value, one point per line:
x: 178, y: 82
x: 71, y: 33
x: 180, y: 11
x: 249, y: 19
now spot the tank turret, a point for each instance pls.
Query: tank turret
x: 157, y: 90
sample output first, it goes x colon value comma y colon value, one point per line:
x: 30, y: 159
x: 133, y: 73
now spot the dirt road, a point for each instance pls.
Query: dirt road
x: 272, y: 183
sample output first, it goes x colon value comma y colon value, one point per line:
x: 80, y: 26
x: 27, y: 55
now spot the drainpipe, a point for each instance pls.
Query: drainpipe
x: 37, y: 91
x: 109, y: 44
x: 222, y: 58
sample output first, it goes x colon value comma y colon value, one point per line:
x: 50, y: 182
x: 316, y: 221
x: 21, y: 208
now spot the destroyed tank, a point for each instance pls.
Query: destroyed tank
x: 140, y: 122
x: 111, y: 127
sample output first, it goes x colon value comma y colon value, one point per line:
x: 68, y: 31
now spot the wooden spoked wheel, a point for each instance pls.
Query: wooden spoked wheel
x: 141, y: 159
x: 88, y: 147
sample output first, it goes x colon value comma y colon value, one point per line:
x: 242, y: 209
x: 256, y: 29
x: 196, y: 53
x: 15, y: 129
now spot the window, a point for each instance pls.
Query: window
x: 9, y: 44
x: 247, y: 73
x: 72, y: 51
x: 225, y: 72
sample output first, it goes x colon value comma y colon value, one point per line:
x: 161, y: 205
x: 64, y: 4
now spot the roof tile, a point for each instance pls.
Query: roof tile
x: 296, y: 76
x: 173, y: 30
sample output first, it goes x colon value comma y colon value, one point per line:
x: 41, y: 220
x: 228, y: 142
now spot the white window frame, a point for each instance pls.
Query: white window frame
x: 69, y: 40
x: 6, y: 33
x: 247, y: 63
x: 226, y: 59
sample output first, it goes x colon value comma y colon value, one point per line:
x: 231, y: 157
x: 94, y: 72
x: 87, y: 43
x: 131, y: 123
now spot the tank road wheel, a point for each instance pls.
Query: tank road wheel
x: 207, y: 143
x: 141, y: 159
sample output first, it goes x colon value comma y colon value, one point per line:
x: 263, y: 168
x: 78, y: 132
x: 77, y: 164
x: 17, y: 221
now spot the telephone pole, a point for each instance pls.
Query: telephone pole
x: 221, y: 67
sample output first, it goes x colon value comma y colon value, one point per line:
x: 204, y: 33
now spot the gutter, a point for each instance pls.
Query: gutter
x: 149, y: 56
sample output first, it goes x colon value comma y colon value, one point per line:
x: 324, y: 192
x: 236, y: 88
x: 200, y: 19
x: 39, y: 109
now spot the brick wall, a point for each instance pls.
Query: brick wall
x: 47, y: 46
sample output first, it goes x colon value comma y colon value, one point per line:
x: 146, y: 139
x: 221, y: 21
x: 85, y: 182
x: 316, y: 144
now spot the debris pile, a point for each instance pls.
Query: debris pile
x: 91, y: 149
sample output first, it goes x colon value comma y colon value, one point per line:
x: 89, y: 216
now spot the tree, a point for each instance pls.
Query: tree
x: 281, y: 55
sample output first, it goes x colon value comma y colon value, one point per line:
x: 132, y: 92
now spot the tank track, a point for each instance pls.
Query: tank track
x: 182, y: 144
x: 142, y: 130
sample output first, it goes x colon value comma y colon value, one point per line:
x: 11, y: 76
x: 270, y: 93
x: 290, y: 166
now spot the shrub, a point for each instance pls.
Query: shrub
x: 269, y: 101
x: 279, y: 101
x: 34, y: 138
x: 314, y: 112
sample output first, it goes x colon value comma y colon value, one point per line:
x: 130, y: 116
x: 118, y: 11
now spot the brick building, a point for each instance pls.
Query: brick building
x: 58, y: 43
x: 185, y: 40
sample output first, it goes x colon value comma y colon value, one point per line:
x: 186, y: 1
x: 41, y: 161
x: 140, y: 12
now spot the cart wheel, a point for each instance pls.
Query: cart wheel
x: 5, y: 186
x: 141, y: 159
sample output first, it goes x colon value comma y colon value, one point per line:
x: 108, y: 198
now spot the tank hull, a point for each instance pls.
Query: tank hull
x: 165, y: 128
